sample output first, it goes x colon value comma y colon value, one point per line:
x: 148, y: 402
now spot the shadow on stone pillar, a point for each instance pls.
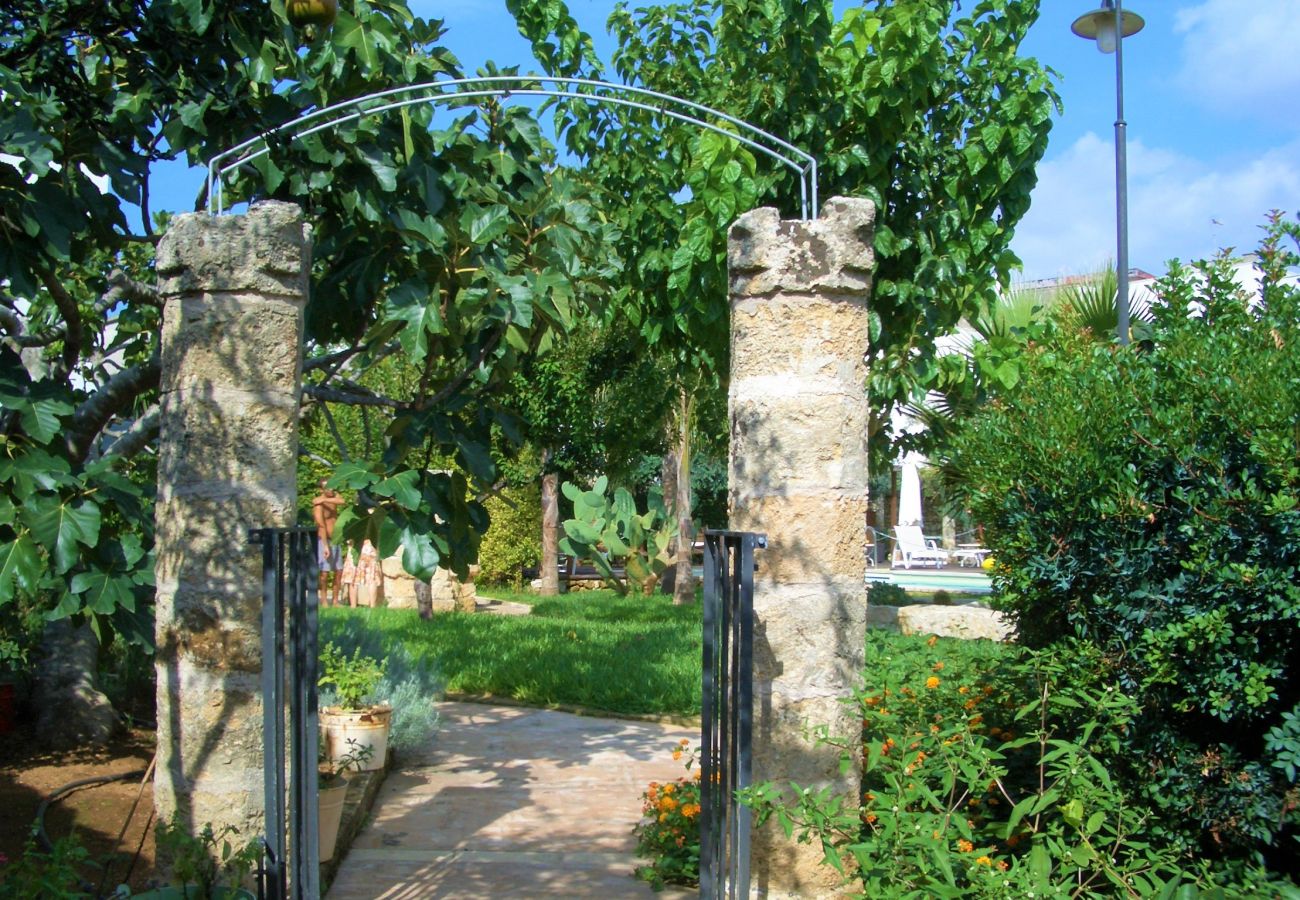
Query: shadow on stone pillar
x: 798, y: 473
x: 234, y: 289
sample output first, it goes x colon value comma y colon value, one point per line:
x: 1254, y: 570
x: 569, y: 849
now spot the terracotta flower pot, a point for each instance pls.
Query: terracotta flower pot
x: 330, y: 816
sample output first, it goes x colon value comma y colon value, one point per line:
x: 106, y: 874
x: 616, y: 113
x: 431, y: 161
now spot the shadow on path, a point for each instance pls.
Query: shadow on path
x: 513, y: 802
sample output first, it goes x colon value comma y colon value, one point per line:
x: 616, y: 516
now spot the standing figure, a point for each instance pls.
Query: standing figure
x: 325, y: 510
x: 370, y: 576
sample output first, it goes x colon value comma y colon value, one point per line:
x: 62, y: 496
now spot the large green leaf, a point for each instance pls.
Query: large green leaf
x: 20, y: 566
x: 61, y: 525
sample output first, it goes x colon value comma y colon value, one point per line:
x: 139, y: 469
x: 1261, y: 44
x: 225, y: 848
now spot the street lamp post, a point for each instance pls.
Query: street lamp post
x: 1109, y: 26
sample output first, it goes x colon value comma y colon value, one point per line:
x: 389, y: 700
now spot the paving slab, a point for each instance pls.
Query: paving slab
x: 513, y: 802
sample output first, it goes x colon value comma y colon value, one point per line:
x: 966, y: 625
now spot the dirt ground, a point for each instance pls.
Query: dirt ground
x: 96, y: 815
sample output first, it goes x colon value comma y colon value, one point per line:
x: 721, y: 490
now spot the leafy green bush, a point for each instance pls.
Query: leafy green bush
x: 882, y: 593
x: 514, y: 537
x: 1145, y: 500
x: 984, y: 775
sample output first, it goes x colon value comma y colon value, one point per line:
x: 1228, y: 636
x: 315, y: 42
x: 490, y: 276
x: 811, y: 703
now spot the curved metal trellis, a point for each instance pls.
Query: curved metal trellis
x: 452, y: 89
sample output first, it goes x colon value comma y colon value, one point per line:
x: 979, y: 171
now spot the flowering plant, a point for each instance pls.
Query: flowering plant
x: 983, y: 777
x: 669, y: 832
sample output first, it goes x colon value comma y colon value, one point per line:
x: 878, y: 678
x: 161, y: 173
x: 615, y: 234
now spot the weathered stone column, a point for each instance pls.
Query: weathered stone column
x: 798, y: 472
x: 234, y: 289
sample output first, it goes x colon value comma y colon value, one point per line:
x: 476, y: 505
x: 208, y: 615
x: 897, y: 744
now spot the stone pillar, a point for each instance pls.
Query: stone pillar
x: 234, y: 289
x: 798, y: 472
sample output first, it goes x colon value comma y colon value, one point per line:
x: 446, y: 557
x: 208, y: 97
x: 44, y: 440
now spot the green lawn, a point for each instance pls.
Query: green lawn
x: 592, y: 649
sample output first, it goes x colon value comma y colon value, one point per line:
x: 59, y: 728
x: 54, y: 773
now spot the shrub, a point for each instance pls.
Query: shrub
x: 514, y: 537
x: 983, y: 776
x: 881, y: 593
x: 669, y: 832
x: 1145, y: 499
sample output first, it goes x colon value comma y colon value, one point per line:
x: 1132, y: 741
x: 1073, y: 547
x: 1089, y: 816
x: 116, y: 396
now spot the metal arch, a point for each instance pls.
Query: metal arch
x: 802, y: 163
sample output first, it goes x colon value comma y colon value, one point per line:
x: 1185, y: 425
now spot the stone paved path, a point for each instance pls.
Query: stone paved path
x: 513, y: 802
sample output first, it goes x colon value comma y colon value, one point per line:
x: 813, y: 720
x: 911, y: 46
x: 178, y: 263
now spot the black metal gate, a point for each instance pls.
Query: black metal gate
x: 290, y: 868
x: 727, y: 708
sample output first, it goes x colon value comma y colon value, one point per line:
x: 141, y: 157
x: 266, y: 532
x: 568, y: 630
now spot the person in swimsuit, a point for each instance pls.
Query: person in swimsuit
x: 325, y: 510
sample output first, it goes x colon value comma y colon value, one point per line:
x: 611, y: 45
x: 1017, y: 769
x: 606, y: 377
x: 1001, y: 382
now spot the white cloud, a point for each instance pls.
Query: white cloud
x: 1240, y: 57
x: 1178, y: 206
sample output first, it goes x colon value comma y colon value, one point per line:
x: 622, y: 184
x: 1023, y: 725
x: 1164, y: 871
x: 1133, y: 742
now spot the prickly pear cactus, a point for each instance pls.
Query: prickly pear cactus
x: 611, y: 533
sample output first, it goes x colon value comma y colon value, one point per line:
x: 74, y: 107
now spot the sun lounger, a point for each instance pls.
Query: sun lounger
x: 913, y: 547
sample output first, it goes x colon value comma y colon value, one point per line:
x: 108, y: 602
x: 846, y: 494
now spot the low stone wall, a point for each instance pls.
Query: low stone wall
x: 449, y: 594
x: 966, y: 621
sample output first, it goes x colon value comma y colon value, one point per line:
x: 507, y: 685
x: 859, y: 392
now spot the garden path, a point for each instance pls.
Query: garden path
x: 513, y: 802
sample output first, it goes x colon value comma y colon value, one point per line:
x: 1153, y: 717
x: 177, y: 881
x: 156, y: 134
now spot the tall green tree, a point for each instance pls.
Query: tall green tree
x: 927, y: 109
x: 456, y: 243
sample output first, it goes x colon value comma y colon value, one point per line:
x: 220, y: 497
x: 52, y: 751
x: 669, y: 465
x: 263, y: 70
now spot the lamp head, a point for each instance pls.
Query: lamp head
x: 1099, y: 26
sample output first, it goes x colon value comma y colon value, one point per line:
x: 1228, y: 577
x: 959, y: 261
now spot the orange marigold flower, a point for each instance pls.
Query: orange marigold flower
x: 677, y: 754
x: 938, y: 667
x: 668, y: 804
x: 932, y: 682
x: 669, y: 788
x: 965, y: 846
x: 872, y: 701
x: 1002, y: 865
x: 969, y: 704
x: 963, y: 690
x: 983, y: 861
x: 685, y: 742
x: 870, y: 818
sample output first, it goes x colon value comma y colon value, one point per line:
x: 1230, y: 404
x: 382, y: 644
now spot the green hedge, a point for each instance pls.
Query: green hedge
x: 514, y: 537
x: 1145, y: 500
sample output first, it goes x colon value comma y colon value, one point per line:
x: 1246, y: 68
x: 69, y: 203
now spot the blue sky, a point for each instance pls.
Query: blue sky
x: 1210, y: 98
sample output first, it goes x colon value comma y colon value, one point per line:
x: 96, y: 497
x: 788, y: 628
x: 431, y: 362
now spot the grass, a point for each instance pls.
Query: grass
x: 592, y: 649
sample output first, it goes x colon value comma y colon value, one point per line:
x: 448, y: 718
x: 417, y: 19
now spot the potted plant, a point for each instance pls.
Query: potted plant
x: 205, y: 866
x: 332, y: 790
x: 358, y: 717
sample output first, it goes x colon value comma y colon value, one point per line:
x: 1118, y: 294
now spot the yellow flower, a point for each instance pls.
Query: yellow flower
x: 983, y: 861
x: 932, y: 682
x: 667, y: 804
x: 677, y: 754
x: 963, y: 689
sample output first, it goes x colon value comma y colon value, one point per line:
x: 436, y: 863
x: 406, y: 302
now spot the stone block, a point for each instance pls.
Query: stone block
x: 267, y: 250
x: 257, y: 434
x: 816, y: 630
x: 834, y: 254
x: 821, y: 338
x: 238, y: 341
x: 955, y: 621
x: 810, y: 539
x: 202, y: 545
x: 797, y: 441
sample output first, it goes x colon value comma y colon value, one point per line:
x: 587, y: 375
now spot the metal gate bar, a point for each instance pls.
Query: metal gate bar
x: 291, y: 863
x: 727, y: 711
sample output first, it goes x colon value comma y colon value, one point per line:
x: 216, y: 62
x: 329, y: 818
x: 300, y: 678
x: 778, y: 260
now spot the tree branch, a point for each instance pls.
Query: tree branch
x: 329, y: 395
x: 73, y: 332
x: 127, y: 290
x: 115, y: 396
x: 454, y: 385
x: 142, y: 431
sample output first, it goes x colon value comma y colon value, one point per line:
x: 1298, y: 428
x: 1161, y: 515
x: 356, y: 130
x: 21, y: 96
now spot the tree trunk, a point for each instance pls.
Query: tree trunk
x: 71, y: 711
x: 668, y: 482
x: 550, y: 565
x: 684, y: 583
